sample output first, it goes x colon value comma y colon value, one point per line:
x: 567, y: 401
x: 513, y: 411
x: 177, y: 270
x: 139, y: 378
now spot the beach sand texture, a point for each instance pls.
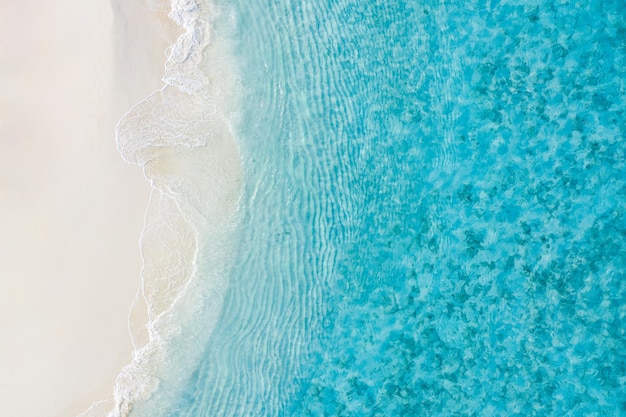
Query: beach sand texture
x: 71, y: 210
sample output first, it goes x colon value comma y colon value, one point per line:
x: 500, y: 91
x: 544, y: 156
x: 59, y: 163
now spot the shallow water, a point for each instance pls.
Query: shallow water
x: 433, y: 218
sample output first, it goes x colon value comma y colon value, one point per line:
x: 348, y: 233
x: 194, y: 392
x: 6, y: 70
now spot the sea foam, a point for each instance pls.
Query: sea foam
x: 182, y: 137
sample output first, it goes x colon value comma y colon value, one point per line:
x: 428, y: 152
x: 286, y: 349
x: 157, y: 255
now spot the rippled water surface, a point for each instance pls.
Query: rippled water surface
x: 434, y: 213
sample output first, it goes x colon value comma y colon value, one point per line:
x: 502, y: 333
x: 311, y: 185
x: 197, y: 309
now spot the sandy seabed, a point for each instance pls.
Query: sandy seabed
x: 71, y: 210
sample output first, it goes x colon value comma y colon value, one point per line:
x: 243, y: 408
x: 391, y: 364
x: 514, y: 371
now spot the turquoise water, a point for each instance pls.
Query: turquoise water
x: 433, y: 220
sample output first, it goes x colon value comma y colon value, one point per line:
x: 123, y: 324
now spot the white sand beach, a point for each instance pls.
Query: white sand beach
x: 71, y: 210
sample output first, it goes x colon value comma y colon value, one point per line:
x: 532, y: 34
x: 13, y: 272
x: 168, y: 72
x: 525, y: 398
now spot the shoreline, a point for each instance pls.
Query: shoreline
x: 182, y: 136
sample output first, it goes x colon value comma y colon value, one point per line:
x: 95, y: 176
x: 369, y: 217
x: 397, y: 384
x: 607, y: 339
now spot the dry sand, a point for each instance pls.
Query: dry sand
x: 71, y: 210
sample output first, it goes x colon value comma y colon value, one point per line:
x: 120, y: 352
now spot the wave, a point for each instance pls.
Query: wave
x: 182, y: 136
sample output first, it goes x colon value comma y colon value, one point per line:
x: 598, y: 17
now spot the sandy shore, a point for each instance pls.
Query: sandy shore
x: 71, y: 210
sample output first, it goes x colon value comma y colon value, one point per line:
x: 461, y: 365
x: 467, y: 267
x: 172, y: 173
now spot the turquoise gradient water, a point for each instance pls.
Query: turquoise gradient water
x: 434, y: 213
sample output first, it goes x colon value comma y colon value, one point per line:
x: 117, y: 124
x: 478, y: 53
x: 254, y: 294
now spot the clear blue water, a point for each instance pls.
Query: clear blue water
x: 434, y: 213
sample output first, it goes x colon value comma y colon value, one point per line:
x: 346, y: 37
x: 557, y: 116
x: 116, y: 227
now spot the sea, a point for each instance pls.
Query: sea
x: 383, y: 208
